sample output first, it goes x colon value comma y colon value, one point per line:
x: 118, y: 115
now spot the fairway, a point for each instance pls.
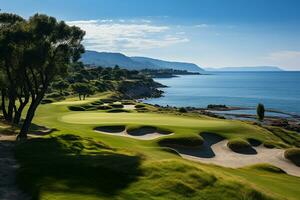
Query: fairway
x: 140, y: 118
x: 154, y: 158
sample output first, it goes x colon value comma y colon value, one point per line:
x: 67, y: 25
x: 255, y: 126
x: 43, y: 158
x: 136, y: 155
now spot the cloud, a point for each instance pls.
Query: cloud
x: 287, y: 59
x: 201, y: 26
x: 127, y: 35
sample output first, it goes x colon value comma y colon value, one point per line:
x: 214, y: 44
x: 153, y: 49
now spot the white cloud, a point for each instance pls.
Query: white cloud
x: 201, y: 26
x: 127, y: 35
x: 287, y: 59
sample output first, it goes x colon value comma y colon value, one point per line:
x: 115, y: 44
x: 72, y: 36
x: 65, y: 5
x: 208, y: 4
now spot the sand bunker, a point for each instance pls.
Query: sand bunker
x: 142, y: 133
x: 215, y: 151
x: 129, y: 107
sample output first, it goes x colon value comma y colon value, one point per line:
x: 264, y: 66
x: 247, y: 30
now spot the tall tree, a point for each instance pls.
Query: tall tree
x: 33, y: 53
x: 260, y: 110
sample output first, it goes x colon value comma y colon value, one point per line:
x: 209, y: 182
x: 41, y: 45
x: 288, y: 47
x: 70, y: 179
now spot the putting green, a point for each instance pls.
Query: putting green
x: 177, y: 124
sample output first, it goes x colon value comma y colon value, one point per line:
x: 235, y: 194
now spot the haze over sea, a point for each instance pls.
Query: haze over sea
x: 276, y: 90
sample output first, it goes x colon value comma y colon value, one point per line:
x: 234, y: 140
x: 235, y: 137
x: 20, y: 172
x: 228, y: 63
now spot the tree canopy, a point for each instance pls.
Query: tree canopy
x: 33, y: 53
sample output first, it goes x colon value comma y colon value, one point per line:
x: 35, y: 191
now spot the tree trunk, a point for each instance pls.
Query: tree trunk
x: 79, y: 97
x: 10, y: 110
x: 29, y: 116
x: 18, y: 113
x: 3, y: 107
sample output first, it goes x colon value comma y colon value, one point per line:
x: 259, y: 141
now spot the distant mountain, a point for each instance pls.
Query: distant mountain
x: 245, y: 69
x: 107, y: 59
x: 168, y: 64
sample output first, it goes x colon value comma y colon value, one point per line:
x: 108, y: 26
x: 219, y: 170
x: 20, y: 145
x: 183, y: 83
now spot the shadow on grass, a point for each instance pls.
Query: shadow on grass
x: 72, y: 164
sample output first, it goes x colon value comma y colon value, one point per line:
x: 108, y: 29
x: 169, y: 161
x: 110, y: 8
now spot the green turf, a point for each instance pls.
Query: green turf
x: 91, y: 165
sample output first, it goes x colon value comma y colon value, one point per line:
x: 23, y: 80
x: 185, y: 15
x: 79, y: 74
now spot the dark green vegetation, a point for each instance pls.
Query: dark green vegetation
x: 240, y: 146
x: 38, y: 58
x: 260, y: 110
x: 32, y: 54
x: 96, y: 171
x: 293, y: 154
x: 166, y: 73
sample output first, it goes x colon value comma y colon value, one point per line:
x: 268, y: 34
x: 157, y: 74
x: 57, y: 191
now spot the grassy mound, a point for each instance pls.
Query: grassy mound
x: 254, y: 142
x: 267, y: 168
x: 240, y: 146
x: 143, y: 130
x: 193, y: 141
x: 293, y: 154
x: 291, y: 138
x: 72, y: 167
x: 140, y: 106
x: 274, y: 144
x: 103, y: 107
x: 73, y: 164
x: 76, y: 108
x: 114, y: 105
x: 117, y: 110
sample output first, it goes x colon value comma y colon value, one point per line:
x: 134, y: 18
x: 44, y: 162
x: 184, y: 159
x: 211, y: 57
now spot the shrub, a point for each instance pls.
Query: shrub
x: 293, y: 154
x: 182, y: 110
x: 260, y: 110
x: 239, y: 145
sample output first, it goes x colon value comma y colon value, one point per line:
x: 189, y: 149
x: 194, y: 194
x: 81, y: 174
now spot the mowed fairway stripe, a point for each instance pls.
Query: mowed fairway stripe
x: 140, y: 118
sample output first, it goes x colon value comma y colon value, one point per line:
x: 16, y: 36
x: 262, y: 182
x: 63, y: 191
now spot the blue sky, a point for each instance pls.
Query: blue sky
x: 210, y: 33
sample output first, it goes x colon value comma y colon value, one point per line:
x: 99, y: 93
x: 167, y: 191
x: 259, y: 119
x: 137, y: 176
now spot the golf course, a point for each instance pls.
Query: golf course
x: 100, y: 154
x: 77, y: 121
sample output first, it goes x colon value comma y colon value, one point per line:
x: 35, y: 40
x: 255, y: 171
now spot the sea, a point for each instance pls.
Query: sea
x: 278, y: 91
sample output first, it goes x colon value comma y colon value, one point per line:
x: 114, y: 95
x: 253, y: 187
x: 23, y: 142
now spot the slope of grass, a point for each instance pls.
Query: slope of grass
x: 91, y: 165
x: 71, y: 167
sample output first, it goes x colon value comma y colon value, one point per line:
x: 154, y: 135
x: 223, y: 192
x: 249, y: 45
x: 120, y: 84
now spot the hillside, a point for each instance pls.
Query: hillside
x: 107, y: 59
x: 247, y: 69
x: 168, y: 64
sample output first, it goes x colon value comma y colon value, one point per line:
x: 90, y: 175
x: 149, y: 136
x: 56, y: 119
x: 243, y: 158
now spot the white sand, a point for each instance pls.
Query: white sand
x: 147, y: 136
x: 129, y: 107
x: 227, y: 158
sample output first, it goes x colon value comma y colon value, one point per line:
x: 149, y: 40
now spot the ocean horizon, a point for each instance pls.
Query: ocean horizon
x: 278, y: 91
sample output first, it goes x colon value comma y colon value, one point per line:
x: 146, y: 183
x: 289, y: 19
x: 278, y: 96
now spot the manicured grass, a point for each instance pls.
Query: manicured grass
x: 71, y: 167
x: 91, y: 165
x: 239, y: 145
x: 293, y: 154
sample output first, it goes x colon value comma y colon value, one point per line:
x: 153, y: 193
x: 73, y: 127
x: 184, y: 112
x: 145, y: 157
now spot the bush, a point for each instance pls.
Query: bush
x: 182, y: 110
x: 293, y: 154
x: 239, y: 145
x: 76, y: 108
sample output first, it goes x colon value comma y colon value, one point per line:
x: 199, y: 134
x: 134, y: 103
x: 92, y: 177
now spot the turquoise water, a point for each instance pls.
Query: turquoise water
x: 276, y: 90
